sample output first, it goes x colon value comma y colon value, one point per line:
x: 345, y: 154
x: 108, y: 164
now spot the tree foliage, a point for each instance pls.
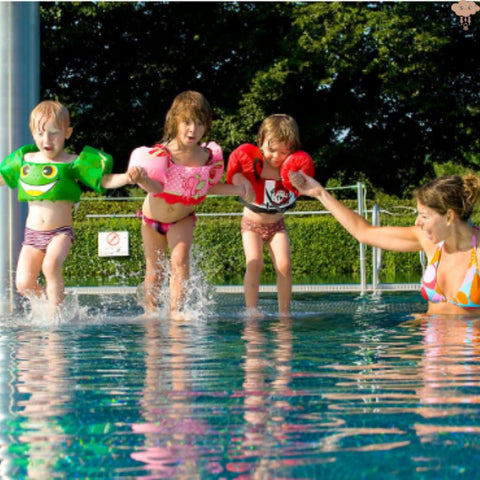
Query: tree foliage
x: 382, y: 91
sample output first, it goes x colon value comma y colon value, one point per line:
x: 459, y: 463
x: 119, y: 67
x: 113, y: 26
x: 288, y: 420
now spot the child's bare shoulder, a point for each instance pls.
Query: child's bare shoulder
x: 38, y: 157
x: 66, y: 157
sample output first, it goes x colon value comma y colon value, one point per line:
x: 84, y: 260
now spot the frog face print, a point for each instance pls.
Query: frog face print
x: 44, y: 181
x: 38, y: 179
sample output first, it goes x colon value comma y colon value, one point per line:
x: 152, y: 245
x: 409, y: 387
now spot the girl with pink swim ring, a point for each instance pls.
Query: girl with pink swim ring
x: 181, y: 172
x: 183, y: 184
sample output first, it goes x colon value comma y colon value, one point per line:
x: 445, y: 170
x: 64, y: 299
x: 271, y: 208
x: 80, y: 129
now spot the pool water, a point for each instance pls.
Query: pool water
x: 349, y: 388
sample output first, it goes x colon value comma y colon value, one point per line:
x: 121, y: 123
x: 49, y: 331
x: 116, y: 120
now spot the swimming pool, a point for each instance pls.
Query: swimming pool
x: 349, y: 388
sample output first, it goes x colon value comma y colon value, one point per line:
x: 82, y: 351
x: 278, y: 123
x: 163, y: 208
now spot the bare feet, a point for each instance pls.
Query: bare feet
x: 177, y: 315
x: 254, y: 312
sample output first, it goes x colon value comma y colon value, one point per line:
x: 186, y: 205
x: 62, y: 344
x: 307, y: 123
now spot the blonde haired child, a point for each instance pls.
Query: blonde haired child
x: 263, y: 170
x: 47, y: 178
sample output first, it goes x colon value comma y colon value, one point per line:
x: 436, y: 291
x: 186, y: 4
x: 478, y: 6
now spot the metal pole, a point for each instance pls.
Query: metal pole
x: 363, y: 270
x: 19, y: 92
x: 376, y: 252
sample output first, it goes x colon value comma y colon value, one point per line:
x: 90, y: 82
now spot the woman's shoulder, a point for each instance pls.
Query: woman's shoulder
x: 419, y: 235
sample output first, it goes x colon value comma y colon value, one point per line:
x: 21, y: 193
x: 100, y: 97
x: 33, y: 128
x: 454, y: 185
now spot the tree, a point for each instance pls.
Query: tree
x: 380, y: 90
x: 118, y: 65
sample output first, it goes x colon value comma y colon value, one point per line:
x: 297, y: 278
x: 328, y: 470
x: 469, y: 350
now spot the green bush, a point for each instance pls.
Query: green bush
x: 83, y: 265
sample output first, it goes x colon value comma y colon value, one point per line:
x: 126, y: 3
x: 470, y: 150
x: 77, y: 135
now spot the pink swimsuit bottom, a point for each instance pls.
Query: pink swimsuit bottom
x: 41, y: 239
x: 163, y: 227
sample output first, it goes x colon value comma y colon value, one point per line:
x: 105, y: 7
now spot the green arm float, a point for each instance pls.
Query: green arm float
x: 10, y: 167
x: 90, y: 167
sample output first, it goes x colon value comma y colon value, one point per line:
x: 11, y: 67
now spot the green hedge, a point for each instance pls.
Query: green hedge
x: 322, y: 251
x: 83, y: 265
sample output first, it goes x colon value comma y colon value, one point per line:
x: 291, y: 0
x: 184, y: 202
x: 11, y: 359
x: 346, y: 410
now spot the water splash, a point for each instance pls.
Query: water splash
x: 39, y: 312
x: 199, y: 300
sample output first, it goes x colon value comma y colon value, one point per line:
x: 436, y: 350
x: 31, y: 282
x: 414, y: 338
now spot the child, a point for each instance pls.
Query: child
x: 47, y: 178
x: 181, y: 171
x: 264, y: 172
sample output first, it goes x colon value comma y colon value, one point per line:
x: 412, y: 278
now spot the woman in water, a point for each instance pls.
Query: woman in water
x: 451, y: 281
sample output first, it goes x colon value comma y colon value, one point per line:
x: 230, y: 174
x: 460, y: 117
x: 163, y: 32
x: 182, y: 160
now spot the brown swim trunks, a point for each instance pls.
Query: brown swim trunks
x: 265, y: 230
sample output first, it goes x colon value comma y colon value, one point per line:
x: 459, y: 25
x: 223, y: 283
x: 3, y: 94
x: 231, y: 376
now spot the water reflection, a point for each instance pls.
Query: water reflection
x: 423, y: 376
x: 266, y: 394
x: 182, y: 440
x: 170, y: 429
x: 450, y: 370
x: 40, y: 399
x: 330, y: 396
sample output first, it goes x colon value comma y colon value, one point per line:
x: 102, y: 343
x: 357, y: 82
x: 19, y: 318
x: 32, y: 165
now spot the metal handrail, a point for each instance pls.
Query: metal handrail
x: 376, y: 252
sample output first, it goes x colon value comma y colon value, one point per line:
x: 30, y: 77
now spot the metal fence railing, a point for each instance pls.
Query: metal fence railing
x: 363, y: 286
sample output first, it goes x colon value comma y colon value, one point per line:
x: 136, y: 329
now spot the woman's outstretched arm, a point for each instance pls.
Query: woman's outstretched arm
x: 402, y: 239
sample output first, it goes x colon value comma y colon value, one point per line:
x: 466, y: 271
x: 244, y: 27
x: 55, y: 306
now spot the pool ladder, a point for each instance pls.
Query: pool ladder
x: 376, y: 286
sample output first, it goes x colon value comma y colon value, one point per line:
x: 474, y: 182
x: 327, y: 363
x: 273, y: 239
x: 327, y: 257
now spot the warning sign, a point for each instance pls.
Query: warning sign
x: 113, y: 244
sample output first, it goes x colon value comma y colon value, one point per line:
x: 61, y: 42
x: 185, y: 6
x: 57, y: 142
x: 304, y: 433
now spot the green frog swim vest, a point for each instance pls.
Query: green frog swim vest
x: 55, y: 181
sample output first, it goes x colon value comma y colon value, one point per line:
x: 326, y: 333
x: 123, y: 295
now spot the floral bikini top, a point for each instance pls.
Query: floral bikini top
x: 181, y: 184
x: 468, y: 296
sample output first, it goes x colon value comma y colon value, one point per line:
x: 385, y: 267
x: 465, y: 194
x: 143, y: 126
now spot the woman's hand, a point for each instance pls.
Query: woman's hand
x: 305, y: 185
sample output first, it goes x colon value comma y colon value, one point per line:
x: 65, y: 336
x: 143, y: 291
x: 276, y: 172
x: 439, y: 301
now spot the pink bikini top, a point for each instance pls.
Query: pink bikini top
x: 181, y: 184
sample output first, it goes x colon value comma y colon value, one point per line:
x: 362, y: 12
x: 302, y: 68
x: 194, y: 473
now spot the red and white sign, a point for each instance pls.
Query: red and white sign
x: 113, y: 244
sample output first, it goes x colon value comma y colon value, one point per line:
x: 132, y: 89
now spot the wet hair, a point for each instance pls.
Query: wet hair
x: 280, y: 128
x: 188, y: 105
x: 451, y: 192
x: 46, y: 110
